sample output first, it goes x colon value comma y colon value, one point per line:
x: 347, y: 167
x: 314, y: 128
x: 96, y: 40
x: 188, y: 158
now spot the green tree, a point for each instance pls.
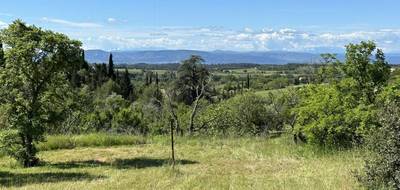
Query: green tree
x: 126, y: 86
x: 30, y: 83
x: 381, y: 170
x: 343, y: 112
x: 371, y: 74
x: 331, y: 69
x: 191, y: 77
x: 111, y: 73
x: 2, y: 60
x: 330, y: 115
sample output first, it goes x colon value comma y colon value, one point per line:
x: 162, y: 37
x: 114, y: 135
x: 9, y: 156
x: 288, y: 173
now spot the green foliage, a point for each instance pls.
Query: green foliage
x: 2, y: 60
x: 191, y: 77
x: 245, y: 114
x: 77, y: 105
x: 127, y: 88
x: 108, y: 88
x: 370, y: 75
x: 113, y: 114
x: 331, y: 115
x: 10, y: 144
x: 32, y: 83
x: 128, y: 121
x: 331, y: 71
x: 382, y: 167
x: 342, y: 112
x: 278, y: 83
x: 111, y: 72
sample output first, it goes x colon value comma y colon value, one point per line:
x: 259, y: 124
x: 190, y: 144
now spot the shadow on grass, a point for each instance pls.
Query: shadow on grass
x: 137, y: 163
x: 8, y: 179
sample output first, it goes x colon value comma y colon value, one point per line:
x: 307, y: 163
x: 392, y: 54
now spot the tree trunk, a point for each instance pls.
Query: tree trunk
x: 30, y: 160
x: 172, y: 143
x: 194, y: 111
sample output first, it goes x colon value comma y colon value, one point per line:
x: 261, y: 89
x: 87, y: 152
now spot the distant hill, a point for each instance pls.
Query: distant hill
x: 212, y: 57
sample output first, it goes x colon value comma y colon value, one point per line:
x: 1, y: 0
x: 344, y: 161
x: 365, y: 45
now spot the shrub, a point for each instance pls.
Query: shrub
x: 331, y: 115
x: 128, y: 121
x: 11, y: 144
x: 382, y: 168
x: 245, y: 114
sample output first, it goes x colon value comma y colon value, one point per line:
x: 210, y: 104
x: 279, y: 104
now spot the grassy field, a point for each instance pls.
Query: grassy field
x: 204, y: 163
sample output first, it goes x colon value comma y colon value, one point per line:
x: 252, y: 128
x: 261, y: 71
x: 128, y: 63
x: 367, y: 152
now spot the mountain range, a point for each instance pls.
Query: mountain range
x: 211, y: 57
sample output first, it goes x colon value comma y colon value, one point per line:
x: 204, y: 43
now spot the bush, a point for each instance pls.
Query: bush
x: 382, y: 168
x: 114, y: 114
x: 128, y: 121
x: 11, y: 145
x: 333, y: 116
x: 245, y: 114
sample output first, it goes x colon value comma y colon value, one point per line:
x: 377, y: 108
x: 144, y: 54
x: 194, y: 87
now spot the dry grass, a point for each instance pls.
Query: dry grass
x: 206, y: 163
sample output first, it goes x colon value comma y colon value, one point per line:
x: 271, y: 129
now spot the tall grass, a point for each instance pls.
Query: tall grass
x: 204, y: 163
x: 55, y: 142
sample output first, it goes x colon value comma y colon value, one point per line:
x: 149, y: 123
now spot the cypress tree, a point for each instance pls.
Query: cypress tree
x: 2, y: 59
x: 85, y: 64
x: 126, y: 85
x: 157, y: 80
x: 248, y: 81
x: 151, y: 78
x: 111, y: 73
x: 147, y: 79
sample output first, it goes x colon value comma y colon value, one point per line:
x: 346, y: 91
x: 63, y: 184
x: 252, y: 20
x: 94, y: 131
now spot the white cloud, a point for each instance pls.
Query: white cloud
x: 3, y: 24
x: 217, y: 38
x: 111, y: 20
x: 72, y: 24
x: 248, y: 30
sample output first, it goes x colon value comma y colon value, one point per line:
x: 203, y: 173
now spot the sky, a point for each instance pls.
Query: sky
x: 234, y: 25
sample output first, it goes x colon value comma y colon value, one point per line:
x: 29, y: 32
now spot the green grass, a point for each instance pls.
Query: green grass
x: 91, y: 140
x: 205, y: 163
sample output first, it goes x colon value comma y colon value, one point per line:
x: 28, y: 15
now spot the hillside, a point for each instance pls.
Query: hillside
x: 212, y: 57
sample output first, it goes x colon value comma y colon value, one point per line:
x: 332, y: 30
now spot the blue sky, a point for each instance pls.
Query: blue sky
x: 240, y: 25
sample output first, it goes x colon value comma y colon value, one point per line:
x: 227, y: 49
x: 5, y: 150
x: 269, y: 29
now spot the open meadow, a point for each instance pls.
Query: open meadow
x: 203, y: 163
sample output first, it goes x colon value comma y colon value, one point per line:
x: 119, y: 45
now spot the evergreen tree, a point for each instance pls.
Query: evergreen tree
x: 248, y: 81
x: 85, y: 64
x: 147, y: 79
x: 111, y: 73
x: 191, y: 77
x: 2, y: 59
x: 157, y: 80
x: 126, y: 85
x: 151, y: 77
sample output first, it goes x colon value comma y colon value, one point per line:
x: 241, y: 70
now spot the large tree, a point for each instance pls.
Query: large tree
x: 192, y: 76
x: 371, y: 74
x: 126, y: 86
x: 342, y: 112
x: 2, y: 60
x: 31, y: 84
x: 111, y: 73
